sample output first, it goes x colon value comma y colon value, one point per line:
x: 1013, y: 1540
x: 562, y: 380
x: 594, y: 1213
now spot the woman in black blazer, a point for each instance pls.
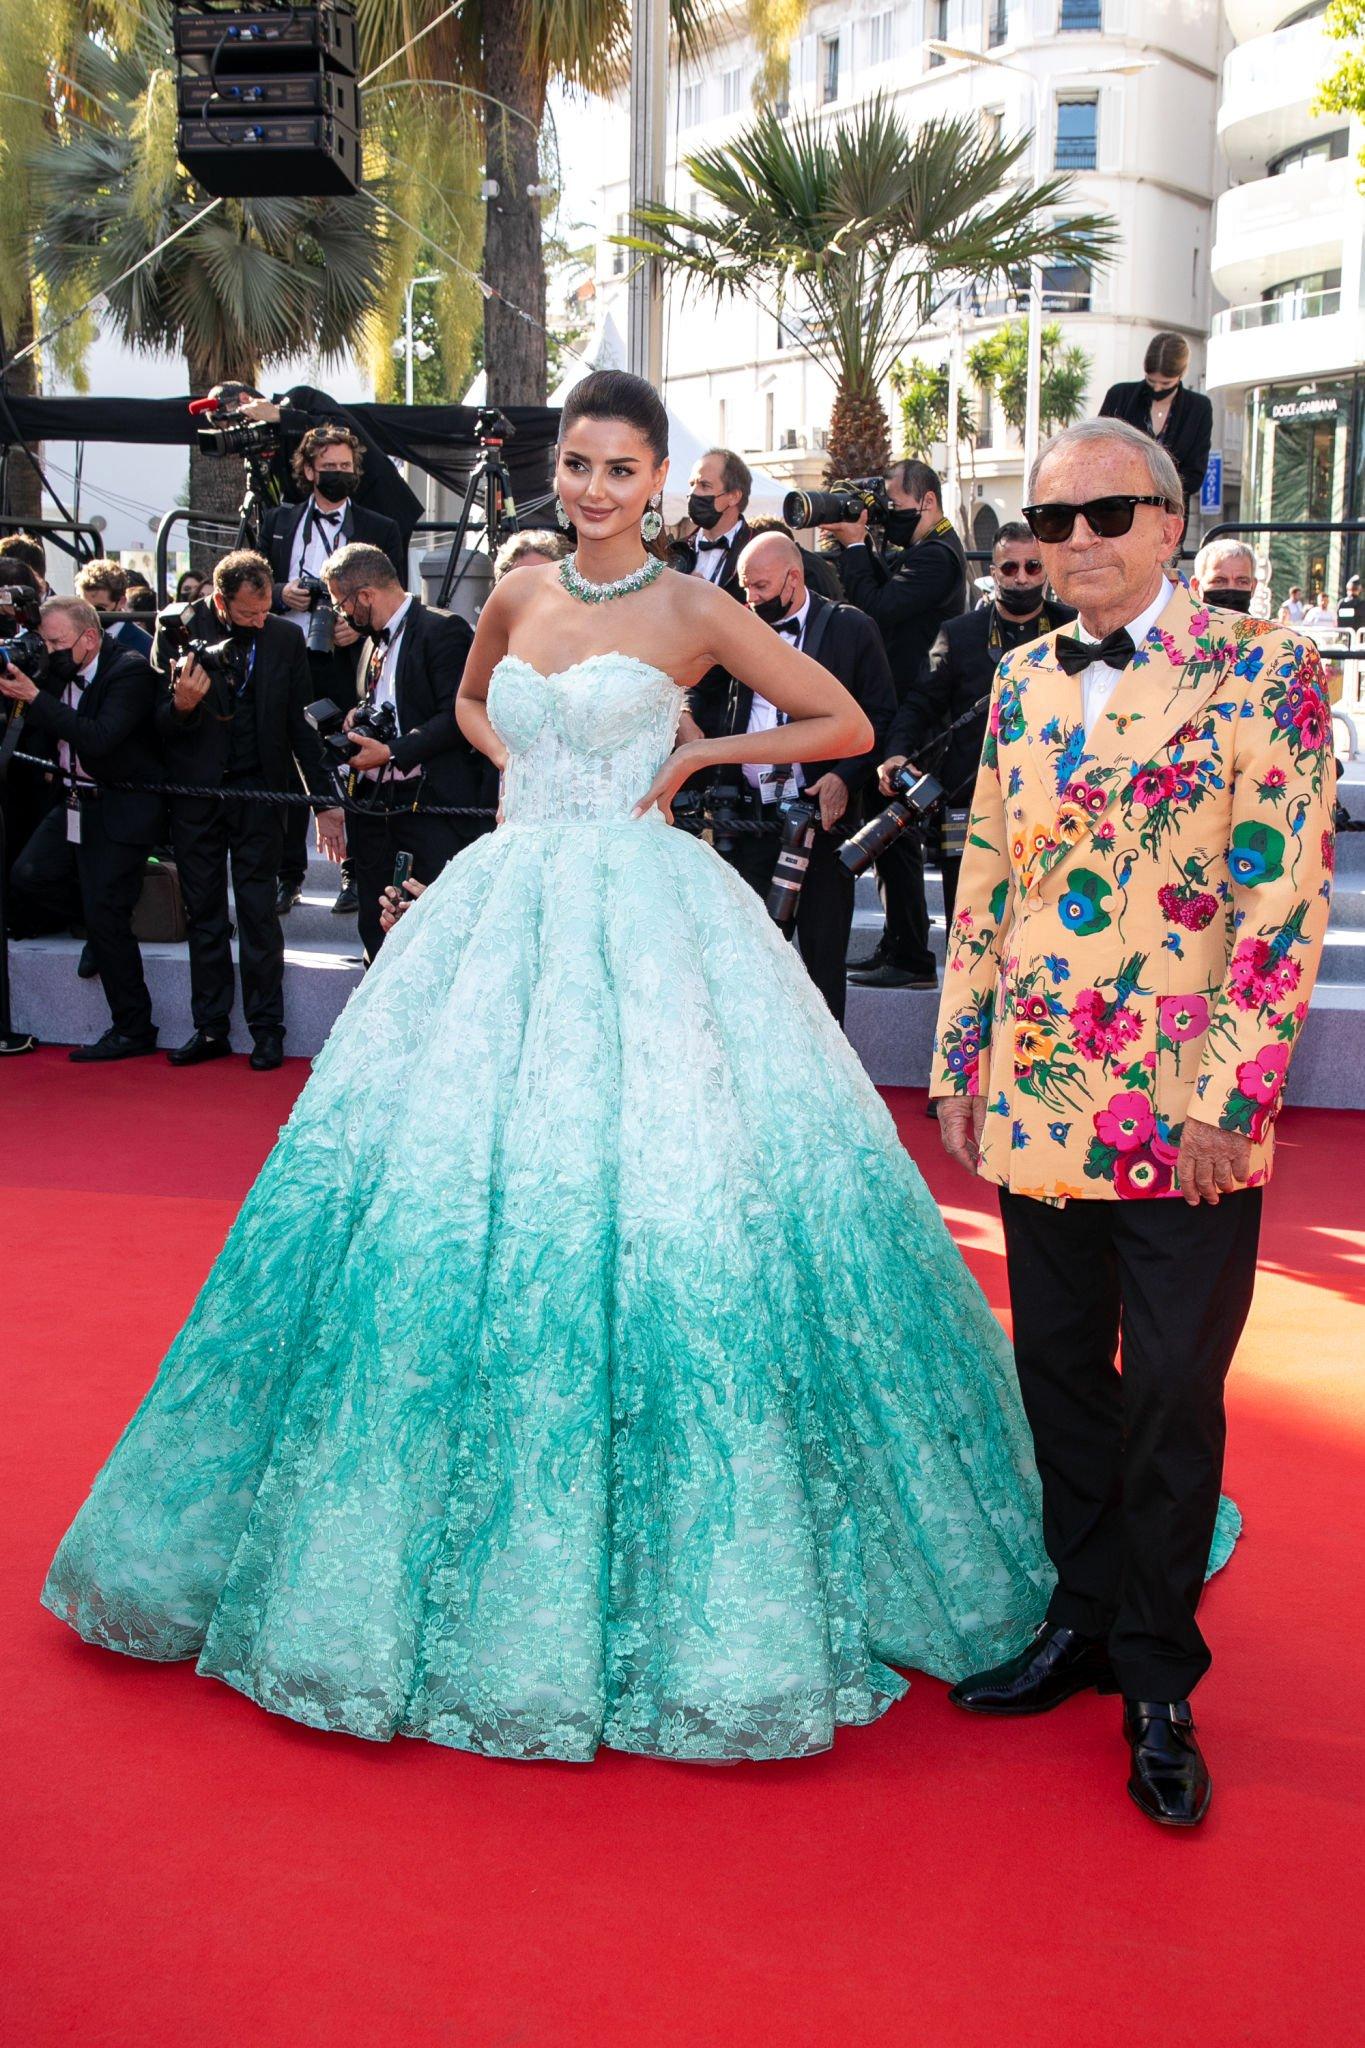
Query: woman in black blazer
x: 1160, y: 405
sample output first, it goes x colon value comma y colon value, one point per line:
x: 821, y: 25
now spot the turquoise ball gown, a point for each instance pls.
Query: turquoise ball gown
x: 588, y: 1363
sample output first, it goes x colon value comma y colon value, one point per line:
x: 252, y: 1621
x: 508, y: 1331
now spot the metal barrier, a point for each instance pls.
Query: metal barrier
x: 163, y: 540
x: 79, y: 550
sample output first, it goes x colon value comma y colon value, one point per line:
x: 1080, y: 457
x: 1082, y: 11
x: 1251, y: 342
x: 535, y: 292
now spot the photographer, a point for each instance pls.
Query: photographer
x: 957, y: 673
x: 296, y: 413
x: 27, y: 793
x: 234, y: 683
x: 85, y: 861
x: 909, y: 594
x: 298, y: 540
x: 772, y: 576
x: 414, y: 659
x: 103, y: 583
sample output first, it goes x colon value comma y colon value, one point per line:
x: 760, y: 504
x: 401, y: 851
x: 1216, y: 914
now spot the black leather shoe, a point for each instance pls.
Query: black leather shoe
x: 286, y: 896
x: 1170, y: 1780
x: 85, y: 966
x: 348, y: 902
x: 888, y: 975
x: 203, y: 1046
x: 113, y: 1046
x: 267, y: 1053
x: 1056, y: 1664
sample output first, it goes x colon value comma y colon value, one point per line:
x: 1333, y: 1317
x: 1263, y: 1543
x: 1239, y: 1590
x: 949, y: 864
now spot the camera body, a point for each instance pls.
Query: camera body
x: 847, y: 499
x: 320, y: 632
x: 492, y: 428
x: 216, y: 657
x: 22, y: 646
x: 799, y: 818
x: 372, y: 722
x: 916, y: 796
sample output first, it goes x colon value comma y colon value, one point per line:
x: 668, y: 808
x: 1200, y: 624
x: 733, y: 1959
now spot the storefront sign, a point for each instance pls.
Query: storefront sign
x: 1211, y: 490
x: 1319, y: 406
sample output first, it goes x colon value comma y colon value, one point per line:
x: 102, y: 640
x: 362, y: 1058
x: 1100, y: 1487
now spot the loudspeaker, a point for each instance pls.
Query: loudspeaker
x: 268, y: 101
x: 267, y: 38
x: 275, y: 156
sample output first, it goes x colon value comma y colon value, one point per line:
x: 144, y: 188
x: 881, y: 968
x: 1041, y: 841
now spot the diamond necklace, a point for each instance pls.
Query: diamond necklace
x: 578, y: 585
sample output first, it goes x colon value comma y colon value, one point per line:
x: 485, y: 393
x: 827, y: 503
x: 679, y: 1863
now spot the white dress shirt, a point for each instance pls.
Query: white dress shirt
x: 67, y: 758
x: 783, y: 779
x: 1099, y: 681
x: 712, y: 562
x: 384, y: 692
x: 316, y: 539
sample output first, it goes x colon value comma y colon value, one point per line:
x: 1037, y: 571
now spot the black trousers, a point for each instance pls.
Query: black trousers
x: 330, y: 676
x: 1131, y: 1464
x: 209, y: 838
x: 96, y: 883
x: 950, y: 868
x: 824, y: 914
x: 900, y: 885
x: 374, y: 837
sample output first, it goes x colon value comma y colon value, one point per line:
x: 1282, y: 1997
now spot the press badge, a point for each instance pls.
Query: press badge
x: 73, y: 817
x: 775, y: 785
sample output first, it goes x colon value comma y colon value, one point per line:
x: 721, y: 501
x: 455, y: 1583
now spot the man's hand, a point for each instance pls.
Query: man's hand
x: 392, y: 905
x: 192, y: 685
x: 1211, y: 1162
x: 848, y: 532
x: 887, y: 770
x: 961, y: 1119
x: 296, y: 597
x: 832, y: 793
x: 16, y: 685
x: 368, y: 753
x: 263, y: 411
x: 344, y: 633
x: 332, y: 833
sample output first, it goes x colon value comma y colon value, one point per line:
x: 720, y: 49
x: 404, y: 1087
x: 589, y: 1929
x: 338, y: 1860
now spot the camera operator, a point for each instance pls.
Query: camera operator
x: 232, y: 717
x: 957, y: 673
x: 298, y: 540
x: 414, y: 660
x: 296, y: 413
x: 85, y: 861
x: 772, y: 576
x: 104, y: 584
x: 909, y: 594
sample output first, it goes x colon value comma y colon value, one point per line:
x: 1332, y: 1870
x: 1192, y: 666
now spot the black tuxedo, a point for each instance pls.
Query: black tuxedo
x: 99, y: 879
x: 429, y: 663
x: 382, y: 488
x: 848, y: 645
x: 209, y: 835
x: 1186, y: 435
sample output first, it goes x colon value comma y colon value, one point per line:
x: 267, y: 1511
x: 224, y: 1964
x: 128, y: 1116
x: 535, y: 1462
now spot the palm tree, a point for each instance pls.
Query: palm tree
x: 256, y: 281
x: 854, y: 232
x: 1000, y: 363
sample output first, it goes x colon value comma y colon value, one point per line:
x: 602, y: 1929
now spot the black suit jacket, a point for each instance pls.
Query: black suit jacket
x: 1187, y: 433
x: 847, y: 643
x: 382, y: 488
x: 431, y: 658
x: 112, y: 731
x: 909, y: 595
x: 282, y: 522
x: 196, y: 743
x: 957, y: 672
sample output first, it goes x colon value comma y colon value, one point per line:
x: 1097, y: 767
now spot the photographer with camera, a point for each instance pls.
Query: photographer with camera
x: 289, y: 418
x: 298, y: 540
x: 103, y: 583
x: 772, y: 576
x: 26, y: 793
x: 85, y: 861
x: 957, y: 675
x: 234, y: 683
x: 401, y: 743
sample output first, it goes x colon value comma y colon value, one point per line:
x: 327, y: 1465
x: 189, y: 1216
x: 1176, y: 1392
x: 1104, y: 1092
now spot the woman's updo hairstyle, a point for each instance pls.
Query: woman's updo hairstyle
x: 617, y: 395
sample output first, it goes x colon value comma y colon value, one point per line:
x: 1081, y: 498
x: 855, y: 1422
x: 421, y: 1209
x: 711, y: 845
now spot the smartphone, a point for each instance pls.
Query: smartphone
x: 402, y: 869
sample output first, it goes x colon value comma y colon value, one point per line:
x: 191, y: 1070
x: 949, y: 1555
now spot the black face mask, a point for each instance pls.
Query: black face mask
x: 361, y: 621
x: 1164, y: 391
x: 1230, y: 600
x: 1019, y: 600
x: 335, y: 485
x: 61, y: 666
x: 899, y: 526
x: 243, y: 635
x: 771, y: 609
x: 701, y: 510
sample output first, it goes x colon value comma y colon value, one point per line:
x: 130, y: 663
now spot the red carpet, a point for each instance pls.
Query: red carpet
x: 183, y: 1871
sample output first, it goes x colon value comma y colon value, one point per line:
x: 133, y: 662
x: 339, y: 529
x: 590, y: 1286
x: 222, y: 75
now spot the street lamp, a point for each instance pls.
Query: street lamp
x: 1033, y: 386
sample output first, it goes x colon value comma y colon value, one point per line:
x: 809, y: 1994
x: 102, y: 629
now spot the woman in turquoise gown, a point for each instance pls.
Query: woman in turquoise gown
x: 588, y: 1363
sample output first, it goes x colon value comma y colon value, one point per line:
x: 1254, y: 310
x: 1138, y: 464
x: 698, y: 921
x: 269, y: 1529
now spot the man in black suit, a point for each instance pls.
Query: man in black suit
x: 772, y: 575
x: 297, y: 540
x: 85, y: 861
x: 380, y: 487
x: 909, y: 592
x: 413, y: 662
x: 1159, y: 405
x: 956, y: 676
x: 241, y: 727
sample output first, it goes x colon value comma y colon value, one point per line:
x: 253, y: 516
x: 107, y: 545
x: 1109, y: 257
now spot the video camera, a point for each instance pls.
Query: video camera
x: 492, y: 428
x: 916, y: 797
x: 845, y: 500
x: 23, y: 646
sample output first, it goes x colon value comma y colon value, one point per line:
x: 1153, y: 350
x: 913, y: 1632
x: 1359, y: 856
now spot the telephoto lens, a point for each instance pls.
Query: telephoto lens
x: 916, y: 796
x: 799, y: 819
x: 845, y: 500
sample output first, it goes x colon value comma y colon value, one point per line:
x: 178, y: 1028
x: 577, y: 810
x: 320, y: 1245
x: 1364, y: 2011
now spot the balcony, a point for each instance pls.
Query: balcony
x: 1268, y: 88
x: 1276, y: 341
x: 1248, y: 18
x: 1275, y: 228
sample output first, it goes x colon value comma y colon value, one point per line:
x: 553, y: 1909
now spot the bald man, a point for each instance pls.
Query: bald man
x: 772, y: 578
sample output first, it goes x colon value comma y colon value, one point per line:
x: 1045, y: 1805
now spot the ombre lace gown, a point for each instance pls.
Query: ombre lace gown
x: 588, y: 1363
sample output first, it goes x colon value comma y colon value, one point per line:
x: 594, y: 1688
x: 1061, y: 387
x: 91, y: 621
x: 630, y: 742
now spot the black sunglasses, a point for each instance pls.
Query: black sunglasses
x: 1030, y: 568
x: 1106, y: 517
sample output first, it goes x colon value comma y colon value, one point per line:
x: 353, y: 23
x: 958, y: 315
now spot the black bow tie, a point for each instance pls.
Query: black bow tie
x: 380, y: 635
x: 708, y: 544
x: 1116, y: 650
x: 792, y: 626
x: 328, y: 518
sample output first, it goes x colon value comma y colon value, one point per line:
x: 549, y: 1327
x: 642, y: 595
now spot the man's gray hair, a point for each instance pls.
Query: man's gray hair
x: 359, y: 566
x: 1160, y: 468
x: 83, y: 616
x: 1215, y: 551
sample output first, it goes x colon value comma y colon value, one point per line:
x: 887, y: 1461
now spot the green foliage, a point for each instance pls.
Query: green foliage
x: 1343, y: 91
x: 921, y: 390
x: 1000, y: 364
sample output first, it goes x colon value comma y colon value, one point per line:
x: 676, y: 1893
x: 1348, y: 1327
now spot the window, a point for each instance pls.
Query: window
x: 936, y: 16
x: 1322, y: 149
x: 620, y: 257
x: 1077, y: 124
x: 1081, y: 15
x: 732, y: 90
x: 985, y: 423
x: 1000, y: 23
x: 992, y: 127
x: 1066, y: 288
x: 829, y: 69
x: 692, y: 105
x: 879, y: 38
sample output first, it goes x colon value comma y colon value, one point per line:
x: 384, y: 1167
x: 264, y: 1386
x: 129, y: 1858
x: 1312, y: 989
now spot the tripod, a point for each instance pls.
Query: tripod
x: 491, y: 478
x: 262, y: 494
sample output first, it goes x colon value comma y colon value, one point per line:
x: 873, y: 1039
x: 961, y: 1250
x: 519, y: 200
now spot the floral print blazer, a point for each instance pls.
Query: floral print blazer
x: 1140, y: 915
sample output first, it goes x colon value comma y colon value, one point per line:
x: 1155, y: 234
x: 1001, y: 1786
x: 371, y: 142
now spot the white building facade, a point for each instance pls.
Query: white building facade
x: 1120, y: 95
x: 1287, y: 253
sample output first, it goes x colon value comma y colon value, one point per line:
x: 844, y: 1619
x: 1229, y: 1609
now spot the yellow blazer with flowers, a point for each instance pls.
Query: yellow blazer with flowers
x: 1140, y: 915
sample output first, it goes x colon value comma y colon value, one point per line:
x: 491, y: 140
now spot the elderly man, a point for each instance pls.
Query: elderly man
x: 1224, y: 574
x: 1140, y: 915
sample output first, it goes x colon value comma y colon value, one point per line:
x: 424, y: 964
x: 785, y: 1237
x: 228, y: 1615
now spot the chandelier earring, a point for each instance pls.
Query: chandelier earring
x: 560, y: 514
x: 652, y: 525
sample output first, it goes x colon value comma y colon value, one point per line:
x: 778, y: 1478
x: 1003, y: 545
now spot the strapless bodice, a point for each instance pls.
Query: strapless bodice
x: 585, y: 743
